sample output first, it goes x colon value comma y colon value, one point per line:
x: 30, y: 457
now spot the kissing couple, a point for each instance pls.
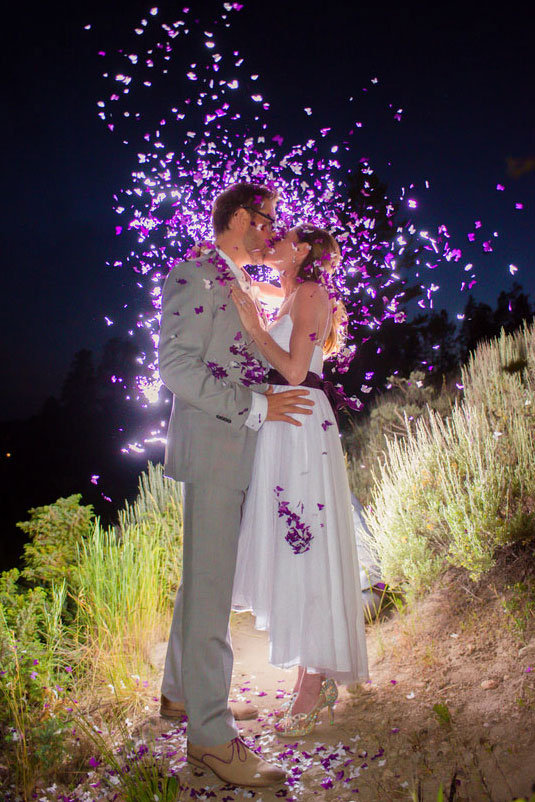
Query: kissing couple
x: 268, y: 523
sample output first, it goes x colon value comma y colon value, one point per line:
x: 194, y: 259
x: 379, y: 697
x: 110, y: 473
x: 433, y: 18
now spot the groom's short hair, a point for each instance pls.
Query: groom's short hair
x: 235, y: 197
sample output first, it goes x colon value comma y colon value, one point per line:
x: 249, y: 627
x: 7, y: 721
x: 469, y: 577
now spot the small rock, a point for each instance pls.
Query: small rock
x: 488, y: 684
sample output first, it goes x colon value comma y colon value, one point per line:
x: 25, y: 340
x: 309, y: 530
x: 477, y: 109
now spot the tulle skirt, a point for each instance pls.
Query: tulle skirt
x: 297, y: 568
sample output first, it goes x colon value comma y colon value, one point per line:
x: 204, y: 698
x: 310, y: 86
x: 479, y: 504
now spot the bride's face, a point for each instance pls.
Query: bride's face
x: 286, y: 253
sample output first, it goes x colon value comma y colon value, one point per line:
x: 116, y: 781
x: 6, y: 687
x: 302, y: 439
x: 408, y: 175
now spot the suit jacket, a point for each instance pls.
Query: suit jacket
x: 211, y: 367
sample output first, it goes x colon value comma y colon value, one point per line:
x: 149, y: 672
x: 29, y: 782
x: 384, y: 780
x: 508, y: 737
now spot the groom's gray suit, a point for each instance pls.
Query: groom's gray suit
x: 207, y: 363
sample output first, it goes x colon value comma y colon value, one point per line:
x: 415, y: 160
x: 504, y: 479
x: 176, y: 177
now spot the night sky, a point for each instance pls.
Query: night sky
x: 464, y: 82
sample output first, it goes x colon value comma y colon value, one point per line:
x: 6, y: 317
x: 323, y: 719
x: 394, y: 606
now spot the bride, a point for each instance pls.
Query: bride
x: 297, y: 567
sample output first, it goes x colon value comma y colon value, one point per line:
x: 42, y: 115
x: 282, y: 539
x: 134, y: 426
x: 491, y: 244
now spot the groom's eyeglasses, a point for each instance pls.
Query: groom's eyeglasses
x: 262, y: 214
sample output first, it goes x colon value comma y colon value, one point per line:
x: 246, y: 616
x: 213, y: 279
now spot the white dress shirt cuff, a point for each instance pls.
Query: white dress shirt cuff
x: 257, y: 413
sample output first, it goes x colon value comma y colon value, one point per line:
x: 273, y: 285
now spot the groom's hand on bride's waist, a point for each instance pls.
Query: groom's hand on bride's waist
x: 281, y: 406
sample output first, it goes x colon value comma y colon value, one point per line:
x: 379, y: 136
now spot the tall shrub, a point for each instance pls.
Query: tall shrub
x: 158, y: 508
x: 455, y: 489
x: 55, y: 532
x: 122, y: 593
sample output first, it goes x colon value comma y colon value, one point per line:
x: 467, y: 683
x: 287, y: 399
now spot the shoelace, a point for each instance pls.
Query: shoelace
x: 240, y: 748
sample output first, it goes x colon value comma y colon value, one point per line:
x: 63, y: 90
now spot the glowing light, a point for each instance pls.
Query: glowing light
x: 149, y: 389
x: 136, y: 448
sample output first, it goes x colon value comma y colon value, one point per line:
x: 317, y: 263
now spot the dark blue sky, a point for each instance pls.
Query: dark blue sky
x: 464, y: 81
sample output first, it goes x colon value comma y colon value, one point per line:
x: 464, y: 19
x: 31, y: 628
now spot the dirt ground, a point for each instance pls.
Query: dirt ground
x: 454, y: 650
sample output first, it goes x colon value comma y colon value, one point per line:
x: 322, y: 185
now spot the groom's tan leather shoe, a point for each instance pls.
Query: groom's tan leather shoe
x: 234, y: 763
x: 240, y: 710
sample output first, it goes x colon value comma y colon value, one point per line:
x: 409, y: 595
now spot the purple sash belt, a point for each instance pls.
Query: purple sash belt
x: 336, y: 397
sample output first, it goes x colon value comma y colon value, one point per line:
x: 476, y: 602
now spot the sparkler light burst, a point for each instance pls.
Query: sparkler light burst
x: 214, y: 129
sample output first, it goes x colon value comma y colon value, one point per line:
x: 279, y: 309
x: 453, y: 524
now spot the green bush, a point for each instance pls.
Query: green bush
x: 34, y: 642
x: 33, y: 660
x: 82, y: 614
x: 23, y: 608
x: 55, y: 532
x: 452, y: 490
x: 22, y: 616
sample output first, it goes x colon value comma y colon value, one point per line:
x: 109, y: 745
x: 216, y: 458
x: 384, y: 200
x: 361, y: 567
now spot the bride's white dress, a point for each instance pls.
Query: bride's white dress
x: 297, y: 568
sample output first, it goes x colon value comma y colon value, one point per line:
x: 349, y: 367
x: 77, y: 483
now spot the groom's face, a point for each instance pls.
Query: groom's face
x: 259, y: 233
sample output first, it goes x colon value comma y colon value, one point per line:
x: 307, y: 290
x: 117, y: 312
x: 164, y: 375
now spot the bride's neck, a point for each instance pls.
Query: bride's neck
x: 288, y: 285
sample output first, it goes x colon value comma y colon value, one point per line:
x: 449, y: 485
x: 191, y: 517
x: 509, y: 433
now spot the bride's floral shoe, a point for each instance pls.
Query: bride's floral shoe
x: 299, y: 724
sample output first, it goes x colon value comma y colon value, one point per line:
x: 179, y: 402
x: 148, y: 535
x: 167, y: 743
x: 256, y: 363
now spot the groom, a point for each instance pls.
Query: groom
x: 219, y: 403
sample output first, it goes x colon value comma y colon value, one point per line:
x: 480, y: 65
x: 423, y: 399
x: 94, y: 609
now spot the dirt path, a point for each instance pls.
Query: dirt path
x: 387, y: 738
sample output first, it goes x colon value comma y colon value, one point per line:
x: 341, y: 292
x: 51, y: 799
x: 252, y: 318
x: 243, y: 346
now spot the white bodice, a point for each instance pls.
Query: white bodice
x: 281, y: 331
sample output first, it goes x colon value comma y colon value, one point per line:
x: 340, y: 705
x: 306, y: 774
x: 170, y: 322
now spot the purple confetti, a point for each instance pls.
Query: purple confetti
x: 298, y: 535
x: 180, y: 165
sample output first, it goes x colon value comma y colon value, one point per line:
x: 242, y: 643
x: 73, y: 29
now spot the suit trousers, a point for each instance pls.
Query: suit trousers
x: 198, y: 664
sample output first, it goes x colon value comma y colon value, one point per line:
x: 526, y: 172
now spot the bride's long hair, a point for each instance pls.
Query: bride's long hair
x: 319, y: 265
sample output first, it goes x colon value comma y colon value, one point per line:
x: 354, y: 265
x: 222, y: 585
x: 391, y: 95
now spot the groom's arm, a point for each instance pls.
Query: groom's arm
x: 185, y: 333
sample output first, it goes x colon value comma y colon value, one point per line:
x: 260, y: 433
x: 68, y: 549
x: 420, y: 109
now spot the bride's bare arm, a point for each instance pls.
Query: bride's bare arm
x: 309, y: 310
